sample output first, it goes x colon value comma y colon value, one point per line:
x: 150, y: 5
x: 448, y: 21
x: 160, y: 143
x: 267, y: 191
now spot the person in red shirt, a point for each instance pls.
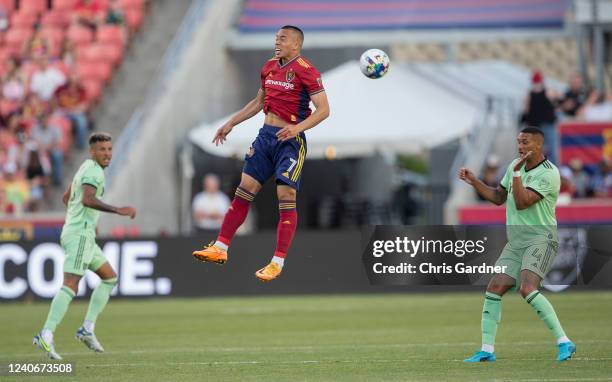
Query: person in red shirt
x: 289, y: 83
x: 88, y: 12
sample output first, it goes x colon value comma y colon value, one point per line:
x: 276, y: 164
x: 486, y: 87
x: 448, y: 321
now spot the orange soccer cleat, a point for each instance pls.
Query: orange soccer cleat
x: 269, y: 272
x: 212, y: 254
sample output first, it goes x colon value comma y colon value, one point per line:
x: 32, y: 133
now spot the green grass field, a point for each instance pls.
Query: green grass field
x: 400, y: 337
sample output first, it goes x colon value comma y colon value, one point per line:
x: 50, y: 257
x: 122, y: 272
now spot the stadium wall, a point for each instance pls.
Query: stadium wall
x: 319, y: 262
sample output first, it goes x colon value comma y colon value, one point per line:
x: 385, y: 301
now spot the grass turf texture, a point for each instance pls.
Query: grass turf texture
x: 341, y: 338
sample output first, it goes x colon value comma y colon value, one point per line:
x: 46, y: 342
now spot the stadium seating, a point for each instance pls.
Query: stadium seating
x: 266, y: 15
x: 97, y: 51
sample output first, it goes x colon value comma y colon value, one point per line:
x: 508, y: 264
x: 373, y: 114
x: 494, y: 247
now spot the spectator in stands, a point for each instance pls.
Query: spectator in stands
x: 37, y: 174
x: 9, y: 146
x: 4, y: 19
x: 13, y: 84
x: 601, y: 183
x: 597, y: 108
x: 46, y: 79
x: 115, y: 14
x: 490, y: 173
x: 36, y: 46
x: 71, y: 100
x: 17, y: 190
x: 580, y: 179
x: 539, y: 111
x: 89, y: 13
x: 210, y: 205
x: 567, y: 189
x: 574, y: 97
x: 49, y: 139
x: 6, y: 207
x: 68, y: 55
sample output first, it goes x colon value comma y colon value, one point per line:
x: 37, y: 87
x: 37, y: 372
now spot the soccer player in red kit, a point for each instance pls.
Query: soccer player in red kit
x: 288, y: 84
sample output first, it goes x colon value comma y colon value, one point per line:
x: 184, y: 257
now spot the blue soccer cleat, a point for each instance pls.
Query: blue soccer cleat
x: 566, y: 351
x: 481, y: 356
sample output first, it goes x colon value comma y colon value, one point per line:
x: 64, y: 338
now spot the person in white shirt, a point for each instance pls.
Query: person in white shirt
x: 46, y: 79
x: 210, y: 205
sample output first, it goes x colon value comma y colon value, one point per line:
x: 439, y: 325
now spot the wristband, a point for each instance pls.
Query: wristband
x: 516, y: 174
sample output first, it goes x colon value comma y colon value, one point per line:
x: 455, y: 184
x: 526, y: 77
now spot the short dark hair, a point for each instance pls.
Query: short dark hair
x: 99, y: 137
x: 533, y: 130
x: 296, y: 29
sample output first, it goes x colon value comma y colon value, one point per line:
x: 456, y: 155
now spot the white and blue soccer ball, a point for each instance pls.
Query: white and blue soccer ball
x: 374, y: 63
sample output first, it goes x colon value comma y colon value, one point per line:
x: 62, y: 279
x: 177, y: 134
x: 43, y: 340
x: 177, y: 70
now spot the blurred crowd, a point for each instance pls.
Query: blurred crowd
x: 44, y: 105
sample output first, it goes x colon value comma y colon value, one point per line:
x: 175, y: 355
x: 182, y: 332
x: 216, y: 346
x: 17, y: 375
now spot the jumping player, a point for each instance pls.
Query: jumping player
x: 530, y: 189
x: 288, y: 83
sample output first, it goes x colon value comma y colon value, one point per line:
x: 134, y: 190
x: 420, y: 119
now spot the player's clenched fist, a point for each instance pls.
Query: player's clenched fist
x: 466, y: 175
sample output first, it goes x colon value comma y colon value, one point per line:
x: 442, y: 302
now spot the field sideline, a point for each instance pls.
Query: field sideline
x: 402, y: 337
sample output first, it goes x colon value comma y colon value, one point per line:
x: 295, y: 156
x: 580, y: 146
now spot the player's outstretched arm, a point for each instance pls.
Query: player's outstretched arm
x: 66, y: 195
x: 321, y: 112
x: 89, y: 200
x: 496, y: 196
x: 249, y: 110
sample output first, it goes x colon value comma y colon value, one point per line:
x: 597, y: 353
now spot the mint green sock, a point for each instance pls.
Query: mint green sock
x: 491, y: 316
x: 546, y: 312
x: 99, y: 298
x: 59, y: 307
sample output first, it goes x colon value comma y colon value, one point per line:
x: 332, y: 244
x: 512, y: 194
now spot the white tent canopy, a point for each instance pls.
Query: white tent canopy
x: 402, y: 112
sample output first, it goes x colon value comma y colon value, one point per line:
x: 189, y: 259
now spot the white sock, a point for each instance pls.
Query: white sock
x: 563, y: 339
x: 47, y: 335
x: 89, y: 326
x: 221, y: 245
x: 278, y: 260
x: 488, y: 348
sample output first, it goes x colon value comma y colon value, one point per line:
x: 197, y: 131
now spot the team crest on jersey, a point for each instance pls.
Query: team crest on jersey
x: 251, y: 152
x: 290, y: 75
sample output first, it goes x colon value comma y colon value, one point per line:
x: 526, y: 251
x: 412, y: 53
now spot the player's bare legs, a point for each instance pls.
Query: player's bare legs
x: 530, y: 283
x: 97, y: 303
x: 245, y: 193
x: 57, y: 311
x: 287, y: 225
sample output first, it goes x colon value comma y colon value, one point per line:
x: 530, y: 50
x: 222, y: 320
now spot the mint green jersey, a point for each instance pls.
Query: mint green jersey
x: 81, y: 220
x: 537, y: 223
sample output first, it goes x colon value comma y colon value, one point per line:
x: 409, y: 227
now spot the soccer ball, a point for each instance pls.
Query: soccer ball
x: 374, y: 63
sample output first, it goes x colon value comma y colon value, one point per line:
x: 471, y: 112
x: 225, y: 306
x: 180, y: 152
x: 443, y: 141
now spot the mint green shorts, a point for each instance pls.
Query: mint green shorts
x: 537, y: 258
x: 82, y: 253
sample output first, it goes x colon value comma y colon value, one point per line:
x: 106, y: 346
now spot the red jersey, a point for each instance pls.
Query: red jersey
x: 289, y: 87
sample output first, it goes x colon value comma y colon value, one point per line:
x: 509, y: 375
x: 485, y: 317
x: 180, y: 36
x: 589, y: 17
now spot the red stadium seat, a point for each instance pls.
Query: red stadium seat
x: 32, y: 7
x: 113, y: 34
x: 80, y: 34
x: 8, y: 5
x: 23, y: 20
x: 56, y: 18
x: 8, y: 106
x: 134, y: 18
x: 101, y: 71
x: 64, y: 4
x: 15, y: 38
x: 93, y: 89
x: 131, y: 4
x: 97, y: 52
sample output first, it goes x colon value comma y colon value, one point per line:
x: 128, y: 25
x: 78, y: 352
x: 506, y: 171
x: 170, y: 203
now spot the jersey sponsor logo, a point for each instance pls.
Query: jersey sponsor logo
x: 286, y: 85
x: 290, y: 75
